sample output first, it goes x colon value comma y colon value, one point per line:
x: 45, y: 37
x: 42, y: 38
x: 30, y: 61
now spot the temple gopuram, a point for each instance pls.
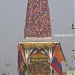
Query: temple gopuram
x: 38, y: 54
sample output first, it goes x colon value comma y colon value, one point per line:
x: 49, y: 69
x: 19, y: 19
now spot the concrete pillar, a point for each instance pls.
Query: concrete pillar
x: 27, y: 55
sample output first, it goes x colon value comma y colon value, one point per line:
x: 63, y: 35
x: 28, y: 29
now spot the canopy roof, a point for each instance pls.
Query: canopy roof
x: 38, y: 44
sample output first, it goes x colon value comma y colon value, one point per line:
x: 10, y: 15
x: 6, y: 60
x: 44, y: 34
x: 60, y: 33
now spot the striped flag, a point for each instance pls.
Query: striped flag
x: 57, y: 59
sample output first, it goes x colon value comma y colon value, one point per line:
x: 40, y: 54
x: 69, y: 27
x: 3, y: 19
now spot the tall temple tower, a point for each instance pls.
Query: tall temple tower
x: 37, y: 19
x: 36, y: 51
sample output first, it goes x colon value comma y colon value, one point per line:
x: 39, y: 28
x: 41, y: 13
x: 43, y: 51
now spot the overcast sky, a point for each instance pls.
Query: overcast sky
x: 12, y: 22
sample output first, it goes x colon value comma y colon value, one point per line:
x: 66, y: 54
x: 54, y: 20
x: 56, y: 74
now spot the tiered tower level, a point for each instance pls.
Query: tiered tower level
x: 37, y: 19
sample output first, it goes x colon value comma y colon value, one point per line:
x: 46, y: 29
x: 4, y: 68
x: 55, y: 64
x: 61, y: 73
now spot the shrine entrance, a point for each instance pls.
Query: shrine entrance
x: 38, y: 56
x: 39, y: 63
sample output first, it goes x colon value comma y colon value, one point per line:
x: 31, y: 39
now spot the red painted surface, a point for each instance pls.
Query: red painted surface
x: 37, y: 19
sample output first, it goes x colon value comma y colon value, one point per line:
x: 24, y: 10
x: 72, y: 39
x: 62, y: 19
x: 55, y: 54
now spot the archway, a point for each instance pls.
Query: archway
x: 39, y: 62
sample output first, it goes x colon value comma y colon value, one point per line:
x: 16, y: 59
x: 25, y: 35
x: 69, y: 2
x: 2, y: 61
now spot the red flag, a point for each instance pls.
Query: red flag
x: 57, y: 59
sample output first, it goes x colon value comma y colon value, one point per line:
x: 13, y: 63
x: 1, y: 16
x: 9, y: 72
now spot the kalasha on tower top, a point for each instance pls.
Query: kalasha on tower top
x: 37, y: 19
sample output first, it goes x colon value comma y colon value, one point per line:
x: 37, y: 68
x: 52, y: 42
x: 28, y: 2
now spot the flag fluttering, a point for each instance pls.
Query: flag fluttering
x: 21, y: 58
x: 57, y: 59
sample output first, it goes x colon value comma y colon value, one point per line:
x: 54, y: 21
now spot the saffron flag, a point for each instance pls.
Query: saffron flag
x: 20, y: 60
x: 57, y: 59
x: 21, y: 51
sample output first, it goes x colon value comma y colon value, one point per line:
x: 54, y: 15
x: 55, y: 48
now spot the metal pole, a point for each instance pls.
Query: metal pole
x: 74, y: 44
x: 73, y: 28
